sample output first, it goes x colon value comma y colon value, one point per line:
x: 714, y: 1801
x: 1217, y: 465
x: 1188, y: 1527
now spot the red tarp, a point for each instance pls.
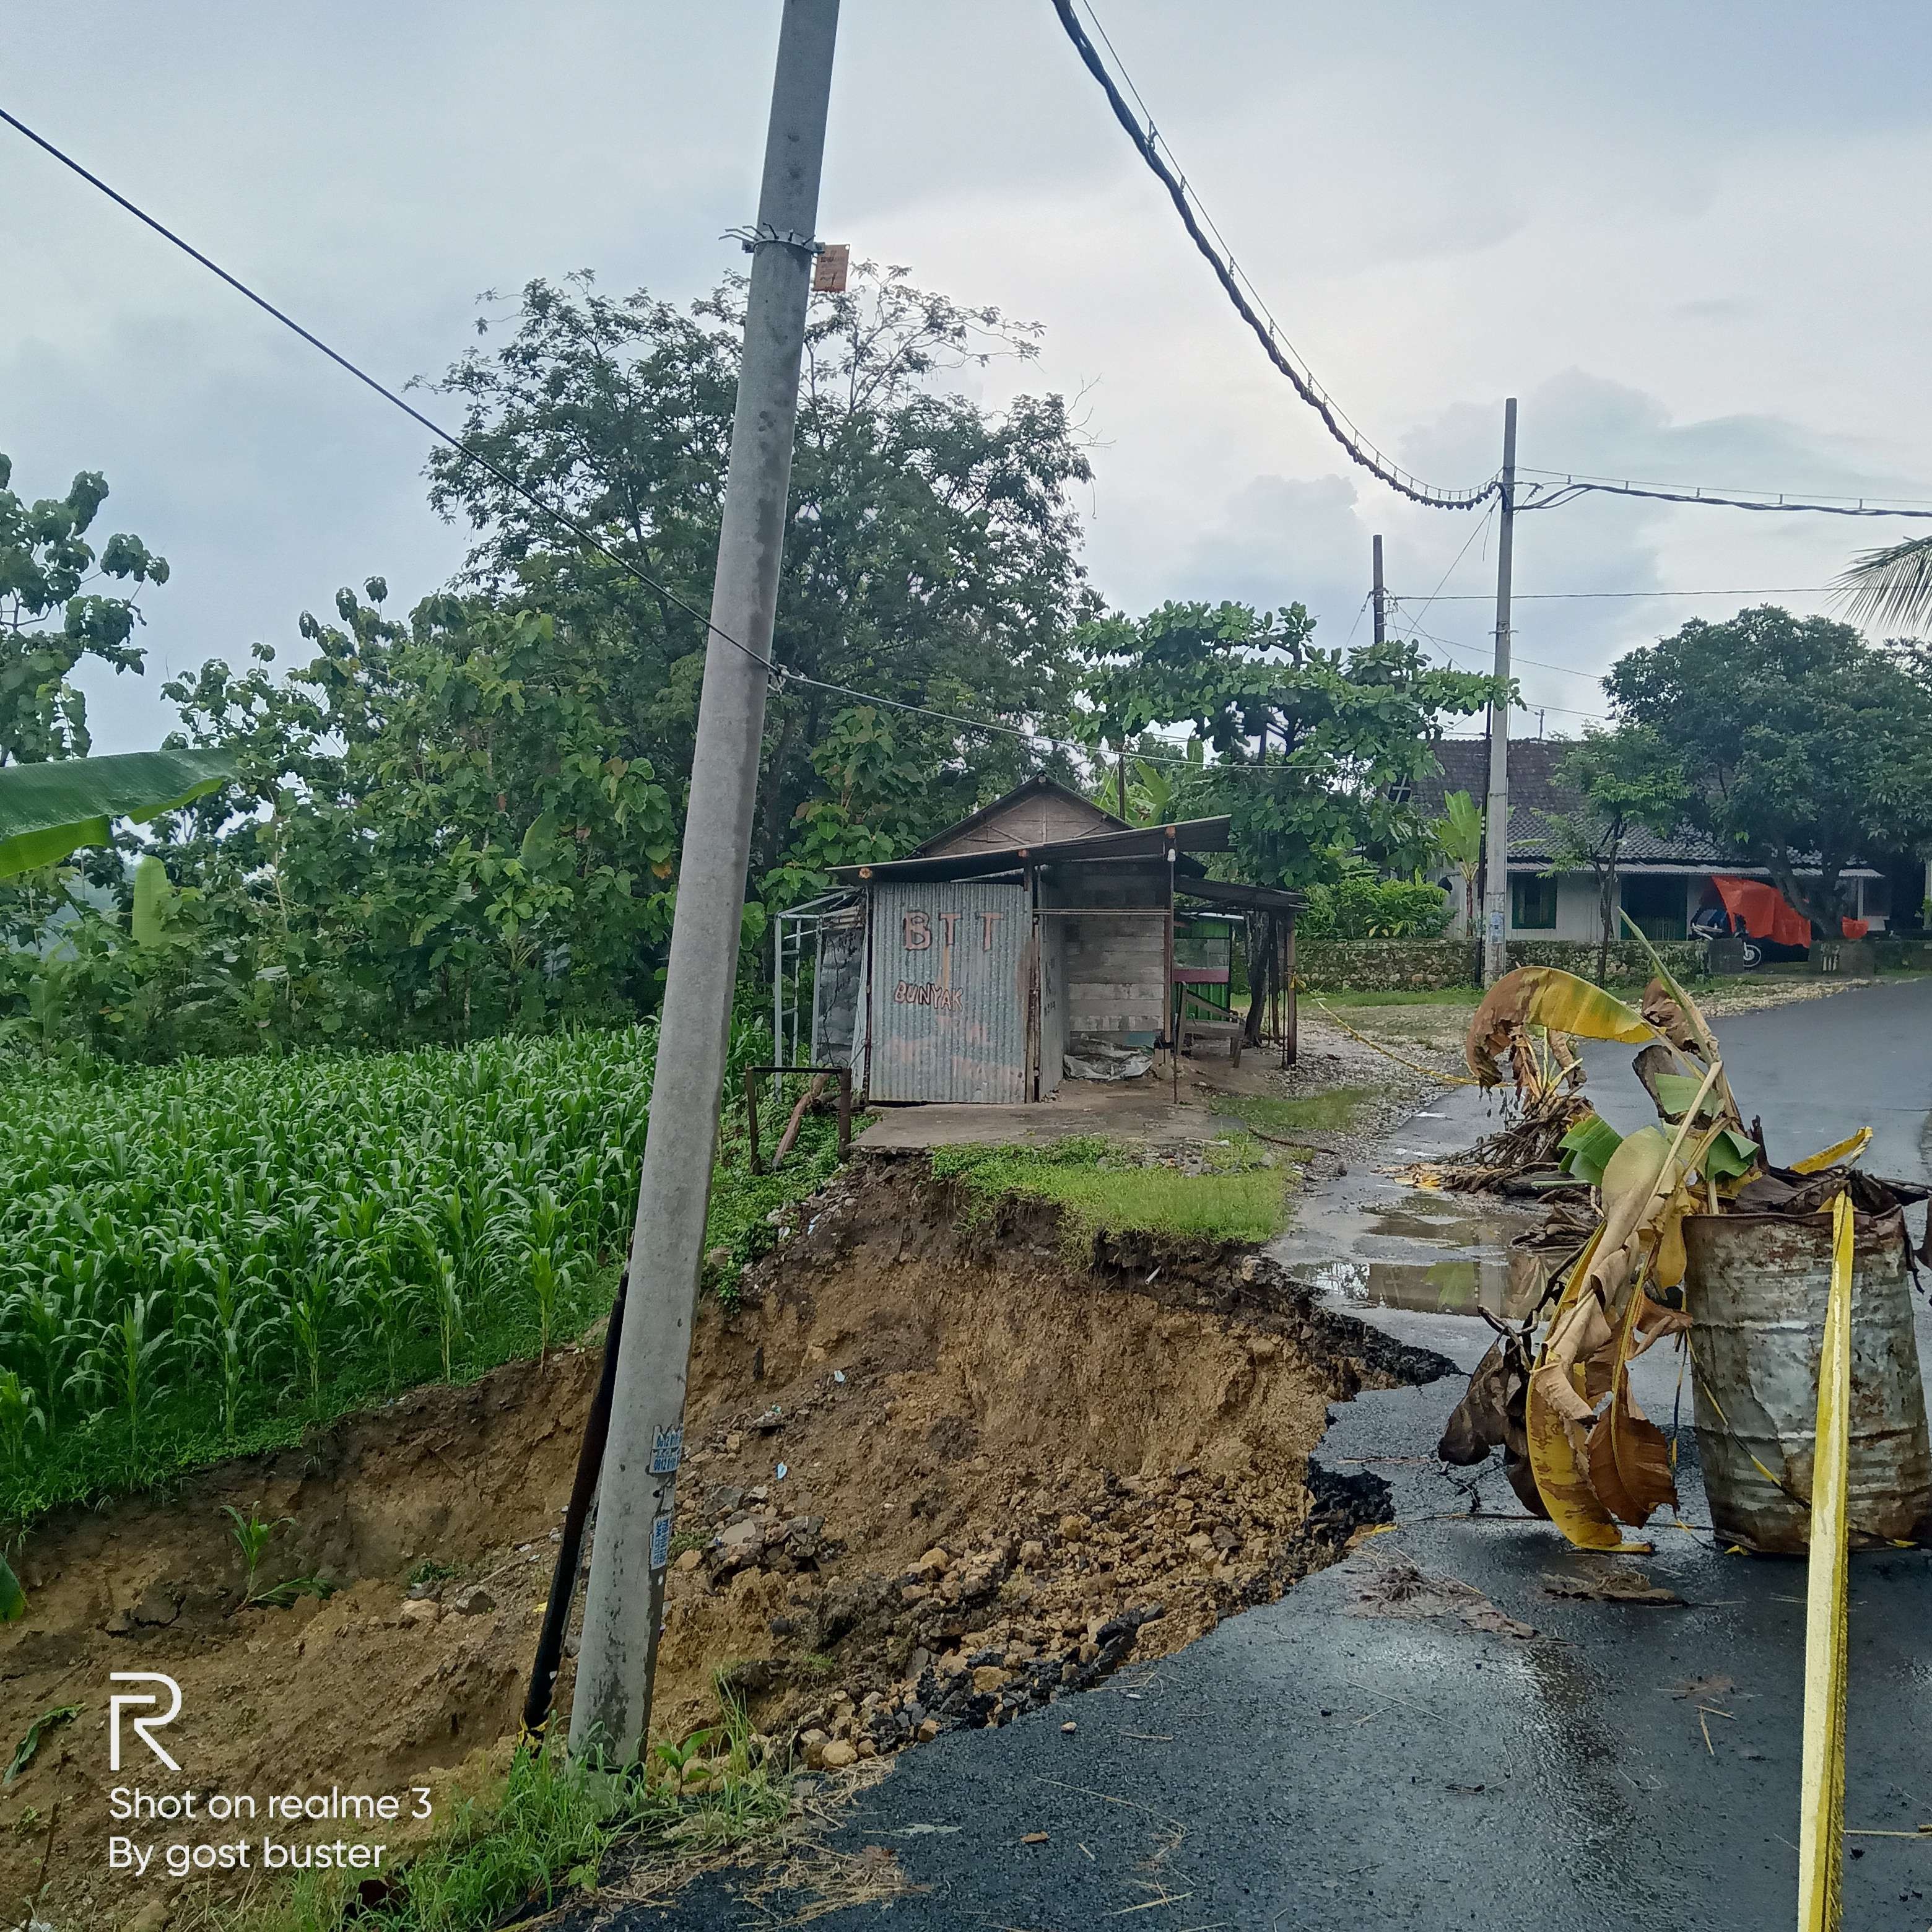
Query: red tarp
x: 1764, y: 913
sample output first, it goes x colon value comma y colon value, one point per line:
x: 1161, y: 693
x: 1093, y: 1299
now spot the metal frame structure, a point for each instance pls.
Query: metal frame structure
x: 788, y: 949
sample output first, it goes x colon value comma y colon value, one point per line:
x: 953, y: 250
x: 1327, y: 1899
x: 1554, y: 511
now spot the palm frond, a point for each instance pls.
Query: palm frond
x: 1889, y: 591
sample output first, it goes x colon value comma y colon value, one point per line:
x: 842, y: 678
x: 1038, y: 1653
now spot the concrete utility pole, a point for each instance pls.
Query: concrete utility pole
x: 1495, y: 824
x: 1380, y: 596
x: 610, y: 1715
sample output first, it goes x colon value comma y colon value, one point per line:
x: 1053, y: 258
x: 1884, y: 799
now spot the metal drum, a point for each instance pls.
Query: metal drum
x: 1756, y: 1287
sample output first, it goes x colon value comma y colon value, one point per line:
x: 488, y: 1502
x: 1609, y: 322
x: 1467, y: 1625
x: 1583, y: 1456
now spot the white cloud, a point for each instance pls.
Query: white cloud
x: 1678, y: 244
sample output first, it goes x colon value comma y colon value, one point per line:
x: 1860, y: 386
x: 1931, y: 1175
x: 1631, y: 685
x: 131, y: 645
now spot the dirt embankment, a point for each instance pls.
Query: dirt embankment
x: 940, y: 1470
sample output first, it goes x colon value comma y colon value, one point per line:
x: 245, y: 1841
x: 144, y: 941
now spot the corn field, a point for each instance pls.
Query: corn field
x: 189, y: 1253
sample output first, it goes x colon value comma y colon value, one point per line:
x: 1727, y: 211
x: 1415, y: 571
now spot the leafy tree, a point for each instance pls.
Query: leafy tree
x: 1803, y: 746
x: 454, y: 834
x: 1316, y: 751
x: 1458, y: 835
x: 49, y: 619
x: 1627, y: 778
x: 930, y: 555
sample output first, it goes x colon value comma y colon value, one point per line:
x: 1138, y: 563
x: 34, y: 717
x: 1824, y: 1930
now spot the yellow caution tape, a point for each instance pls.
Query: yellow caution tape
x: 1846, y: 1150
x: 1821, y: 1818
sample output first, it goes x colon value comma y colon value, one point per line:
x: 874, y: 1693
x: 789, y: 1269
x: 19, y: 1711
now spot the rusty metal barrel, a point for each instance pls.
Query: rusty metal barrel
x: 1756, y: 1287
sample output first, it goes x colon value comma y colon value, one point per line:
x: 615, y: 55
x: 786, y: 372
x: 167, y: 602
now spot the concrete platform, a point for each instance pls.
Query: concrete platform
x: 1145, y: 1110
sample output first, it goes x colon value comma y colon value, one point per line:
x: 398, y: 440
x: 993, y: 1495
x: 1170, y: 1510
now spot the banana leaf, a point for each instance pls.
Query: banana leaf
x: 1587, y: 1148
x: 12, y: 1598
x: 47, y: 810
x: 1544, y: 996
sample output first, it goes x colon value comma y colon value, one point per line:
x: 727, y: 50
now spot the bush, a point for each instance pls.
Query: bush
x: 1360, y: 906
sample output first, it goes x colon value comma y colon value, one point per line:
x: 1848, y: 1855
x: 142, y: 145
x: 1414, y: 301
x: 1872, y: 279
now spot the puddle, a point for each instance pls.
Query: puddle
x: 1464, y: 1287
x: 1409, y: 1248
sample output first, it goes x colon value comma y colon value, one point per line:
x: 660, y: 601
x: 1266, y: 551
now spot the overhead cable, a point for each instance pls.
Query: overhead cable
x: 1554, y: 495
x: 1562, y: 596
x: 1251, y: 309
x: 778, y: 672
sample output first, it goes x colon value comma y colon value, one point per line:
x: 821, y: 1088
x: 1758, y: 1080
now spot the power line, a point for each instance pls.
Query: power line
x: 562, y: 517
x: 389, y: 395
x: 1451, y: 571
x: 1873, y: 503
x: 1559, y: 495
x: 1034, y: 739
x: 1416, y: 633
x: 1227, y: 271
x: 1555, y: 596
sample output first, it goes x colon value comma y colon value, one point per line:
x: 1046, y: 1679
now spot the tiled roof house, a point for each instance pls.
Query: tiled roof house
x: 1663, y: 881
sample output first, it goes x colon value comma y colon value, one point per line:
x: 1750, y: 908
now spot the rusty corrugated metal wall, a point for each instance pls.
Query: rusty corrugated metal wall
x: 950, y: 970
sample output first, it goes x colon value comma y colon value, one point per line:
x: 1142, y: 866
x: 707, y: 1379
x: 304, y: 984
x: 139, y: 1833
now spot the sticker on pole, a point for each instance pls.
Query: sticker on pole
x: 660, y: 1543
x: 666, y: 1449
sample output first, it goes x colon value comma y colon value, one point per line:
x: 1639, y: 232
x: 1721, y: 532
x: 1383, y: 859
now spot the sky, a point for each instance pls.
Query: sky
x: 1674, y: 233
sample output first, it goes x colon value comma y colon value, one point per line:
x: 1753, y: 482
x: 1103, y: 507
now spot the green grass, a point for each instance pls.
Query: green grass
x: 1334, y: 1112
x: 212, y: 1258
x: 1431, y: 996
x: 1102, y: 1187
x: 543, y: 1841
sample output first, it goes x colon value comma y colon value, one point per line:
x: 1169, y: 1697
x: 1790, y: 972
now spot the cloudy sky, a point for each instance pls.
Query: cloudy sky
x: 1682, y: 236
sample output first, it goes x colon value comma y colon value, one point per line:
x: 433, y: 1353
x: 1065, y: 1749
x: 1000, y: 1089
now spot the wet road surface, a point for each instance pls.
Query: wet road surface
x: 1306, y: 1766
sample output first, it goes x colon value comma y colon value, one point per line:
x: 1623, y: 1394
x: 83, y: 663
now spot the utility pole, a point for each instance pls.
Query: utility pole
x: 1380, y: 595
x: 610, y: 1715
x: 1496, y: 822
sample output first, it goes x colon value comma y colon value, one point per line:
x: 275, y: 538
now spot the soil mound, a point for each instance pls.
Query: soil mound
x: 942, y: 1468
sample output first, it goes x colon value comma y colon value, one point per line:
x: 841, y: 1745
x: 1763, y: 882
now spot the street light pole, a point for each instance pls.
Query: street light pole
x: 1496, y: 819
x: 623, y: 1614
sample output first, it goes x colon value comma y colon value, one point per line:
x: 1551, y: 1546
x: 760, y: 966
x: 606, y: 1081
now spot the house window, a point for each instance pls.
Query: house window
x: 1657, y: 905
x: 1533, y: 904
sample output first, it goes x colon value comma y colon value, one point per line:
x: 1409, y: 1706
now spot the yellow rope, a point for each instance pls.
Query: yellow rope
x: 1428, y: 1072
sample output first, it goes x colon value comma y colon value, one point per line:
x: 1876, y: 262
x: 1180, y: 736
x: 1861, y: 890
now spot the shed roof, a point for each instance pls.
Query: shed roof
x: 1140, y: 841
x: 1032, y: 813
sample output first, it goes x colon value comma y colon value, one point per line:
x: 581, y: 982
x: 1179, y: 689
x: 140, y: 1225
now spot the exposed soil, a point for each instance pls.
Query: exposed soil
x: 1006, y: 1469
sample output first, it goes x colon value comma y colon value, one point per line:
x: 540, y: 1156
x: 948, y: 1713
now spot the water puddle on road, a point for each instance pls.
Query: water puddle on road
x: 1419, y: 1250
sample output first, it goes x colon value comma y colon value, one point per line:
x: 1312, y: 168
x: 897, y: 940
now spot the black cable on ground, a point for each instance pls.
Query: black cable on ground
x: 537, y: 1700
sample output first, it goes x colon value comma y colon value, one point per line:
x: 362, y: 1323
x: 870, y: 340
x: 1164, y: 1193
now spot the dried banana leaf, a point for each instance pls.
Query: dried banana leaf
x: 1543, y: 996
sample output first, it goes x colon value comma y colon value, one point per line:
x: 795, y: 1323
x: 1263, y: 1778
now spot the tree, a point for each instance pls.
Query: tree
x: 1317, y: 751
x: 454, y: 833
x: 930, y: 555
x: 1802, y: 745
x: 1458, y: 834
x: 1627, y: 778
x: 45, y: 566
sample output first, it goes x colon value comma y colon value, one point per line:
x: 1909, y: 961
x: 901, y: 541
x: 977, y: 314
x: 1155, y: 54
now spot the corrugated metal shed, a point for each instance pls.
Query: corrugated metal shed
x: 950, y: 990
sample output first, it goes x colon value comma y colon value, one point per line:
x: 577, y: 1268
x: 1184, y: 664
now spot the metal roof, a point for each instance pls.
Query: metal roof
x: 1143, y: 841
x: 1039, y: 782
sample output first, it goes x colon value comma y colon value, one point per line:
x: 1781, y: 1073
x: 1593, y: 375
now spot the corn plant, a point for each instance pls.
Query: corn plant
x: 181, y: 1247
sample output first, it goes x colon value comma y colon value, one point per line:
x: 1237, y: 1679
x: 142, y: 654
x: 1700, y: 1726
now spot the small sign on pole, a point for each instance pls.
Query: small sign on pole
x: 829, y: 267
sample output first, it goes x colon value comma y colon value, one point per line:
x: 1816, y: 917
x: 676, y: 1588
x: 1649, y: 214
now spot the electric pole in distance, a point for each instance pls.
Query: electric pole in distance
x: 611, y: 1714
x: 1495, y: 821
x: 1380, y: 595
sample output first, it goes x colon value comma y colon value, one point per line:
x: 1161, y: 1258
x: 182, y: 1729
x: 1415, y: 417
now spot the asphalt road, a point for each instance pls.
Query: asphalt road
x: 1305, y: 1766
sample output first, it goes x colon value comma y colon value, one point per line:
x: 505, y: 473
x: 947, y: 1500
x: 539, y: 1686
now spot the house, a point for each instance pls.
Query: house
x: 1039, y: 939
x: 1663, y: 882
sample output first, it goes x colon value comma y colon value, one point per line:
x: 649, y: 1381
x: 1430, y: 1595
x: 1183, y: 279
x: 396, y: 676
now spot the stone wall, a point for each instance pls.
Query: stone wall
x: 1424, y: 965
